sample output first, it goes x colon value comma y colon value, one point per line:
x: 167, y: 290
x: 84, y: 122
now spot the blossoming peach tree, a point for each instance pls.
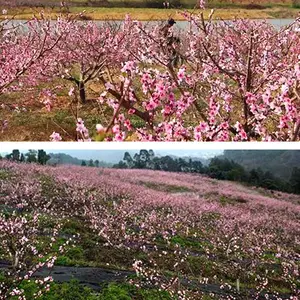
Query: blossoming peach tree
x: 30, y: 238
x: 26, y: 49
x: 235, y: 81
x: 225, y: 81
x: 214, y: 81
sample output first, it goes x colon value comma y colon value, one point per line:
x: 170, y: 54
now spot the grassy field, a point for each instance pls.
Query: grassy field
x: 145, y: 3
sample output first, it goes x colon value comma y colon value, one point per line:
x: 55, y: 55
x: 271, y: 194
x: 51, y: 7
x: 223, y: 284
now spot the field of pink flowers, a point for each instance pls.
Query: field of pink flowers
x: 182, y: 233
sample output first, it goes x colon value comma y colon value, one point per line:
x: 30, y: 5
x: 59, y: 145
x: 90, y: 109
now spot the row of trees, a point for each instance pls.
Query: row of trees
x: 147, y: 160
x: 32, y: 156
x: 90, y: 163
x: 41, y: 157
x: 219, y: 168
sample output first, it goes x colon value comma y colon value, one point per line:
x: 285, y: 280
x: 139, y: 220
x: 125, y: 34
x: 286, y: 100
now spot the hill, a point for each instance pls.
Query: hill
x: 163, y: 233
x: 66, y: 159
x: 279, y: 162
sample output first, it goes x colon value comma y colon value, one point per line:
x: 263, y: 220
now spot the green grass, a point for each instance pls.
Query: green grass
x: 166, y: 187
x: 66, y: 291
x: 231, y: 201
x: 192, y: 243
x: 5, y: 174
x: 73, y: 290
x: 126, y: 291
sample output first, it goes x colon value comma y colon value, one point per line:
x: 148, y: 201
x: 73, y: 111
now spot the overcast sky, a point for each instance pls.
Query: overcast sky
x: 114, y: 156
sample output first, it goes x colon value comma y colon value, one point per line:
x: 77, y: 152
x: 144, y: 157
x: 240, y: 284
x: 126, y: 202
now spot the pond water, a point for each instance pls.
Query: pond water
x: 184, y: 24
x: 275, y: 22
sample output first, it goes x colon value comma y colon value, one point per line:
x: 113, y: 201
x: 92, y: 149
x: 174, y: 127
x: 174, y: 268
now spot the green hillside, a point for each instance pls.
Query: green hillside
x: 278, y: 162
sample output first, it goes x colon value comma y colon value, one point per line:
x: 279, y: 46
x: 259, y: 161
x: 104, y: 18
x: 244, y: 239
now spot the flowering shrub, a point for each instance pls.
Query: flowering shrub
x: 212, y: 234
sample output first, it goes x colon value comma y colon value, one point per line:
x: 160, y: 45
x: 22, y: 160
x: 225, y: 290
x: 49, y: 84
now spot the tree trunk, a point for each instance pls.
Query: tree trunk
x: 82, y: 93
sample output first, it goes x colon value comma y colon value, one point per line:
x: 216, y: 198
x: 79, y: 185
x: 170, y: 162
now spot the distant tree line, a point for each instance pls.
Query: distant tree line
x: 41, y: 157
x: 32, y: 156
x: 225, y: 169
x: 90, y: 163
x: 219, y: 168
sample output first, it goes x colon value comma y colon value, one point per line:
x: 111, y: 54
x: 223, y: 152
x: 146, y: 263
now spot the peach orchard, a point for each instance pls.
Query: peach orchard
x: 214, y: 81
x: 179, y: 232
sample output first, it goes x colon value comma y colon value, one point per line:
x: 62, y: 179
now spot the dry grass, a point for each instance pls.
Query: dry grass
x: 37, y: 124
